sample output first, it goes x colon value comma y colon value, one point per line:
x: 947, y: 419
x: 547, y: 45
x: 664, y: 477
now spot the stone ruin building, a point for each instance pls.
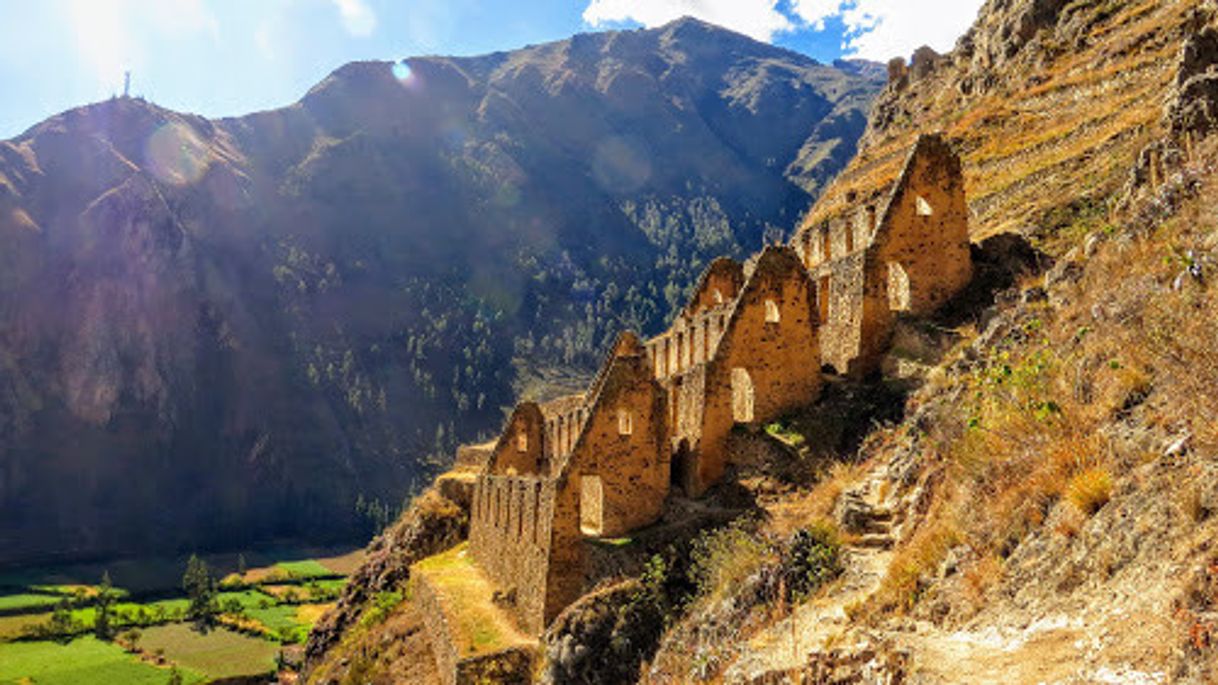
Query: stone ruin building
x: 748, y: 349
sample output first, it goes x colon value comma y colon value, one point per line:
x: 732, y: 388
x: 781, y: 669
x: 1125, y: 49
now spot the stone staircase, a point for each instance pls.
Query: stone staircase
x: 872, y: 514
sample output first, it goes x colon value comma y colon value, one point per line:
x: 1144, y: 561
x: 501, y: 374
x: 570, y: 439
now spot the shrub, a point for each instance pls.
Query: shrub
x: 380, y: 607
x: 724, y: 558
x: 812, y: 559
x: 1090, y: 489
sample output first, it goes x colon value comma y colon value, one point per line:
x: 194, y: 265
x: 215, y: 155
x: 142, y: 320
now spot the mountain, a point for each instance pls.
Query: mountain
x: 1041, y: 506
x: 215, y: 332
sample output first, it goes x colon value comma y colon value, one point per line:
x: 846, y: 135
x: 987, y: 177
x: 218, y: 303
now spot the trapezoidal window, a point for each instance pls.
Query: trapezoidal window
x: 718, y: 296
x: 522, y: 442
x: 826, y: 244
x: 591, y: 506
x: 898, y: 288
x: 772, y: 315
x: 822, y: 298
x: 742, y: 396
x: 625, y: 422
x: 924, y: 208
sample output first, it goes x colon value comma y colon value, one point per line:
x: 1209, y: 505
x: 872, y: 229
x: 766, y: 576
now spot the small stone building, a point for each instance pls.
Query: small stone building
x: 902, y: 249
x: 747, y: 349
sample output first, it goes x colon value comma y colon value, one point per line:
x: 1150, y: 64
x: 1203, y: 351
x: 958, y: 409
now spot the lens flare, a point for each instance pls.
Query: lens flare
x: 401, y: 70
x: 175, y: 155
x: 621, y: 165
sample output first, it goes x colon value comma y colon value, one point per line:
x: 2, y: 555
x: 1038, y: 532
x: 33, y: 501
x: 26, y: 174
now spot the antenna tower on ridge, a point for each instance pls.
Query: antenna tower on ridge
x: 127, y: 83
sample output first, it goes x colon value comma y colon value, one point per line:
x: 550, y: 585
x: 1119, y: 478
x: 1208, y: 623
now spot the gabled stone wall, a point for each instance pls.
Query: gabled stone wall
x: 768, y: 362
x: 522, y: 447
x: 905, y: 252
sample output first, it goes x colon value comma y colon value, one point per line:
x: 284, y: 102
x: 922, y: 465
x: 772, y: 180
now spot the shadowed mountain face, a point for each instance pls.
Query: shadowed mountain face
x: 218, y: 332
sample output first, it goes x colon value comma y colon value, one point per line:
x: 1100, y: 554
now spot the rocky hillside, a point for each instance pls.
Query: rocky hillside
x: 214, y: 332
x: 1041, y: 507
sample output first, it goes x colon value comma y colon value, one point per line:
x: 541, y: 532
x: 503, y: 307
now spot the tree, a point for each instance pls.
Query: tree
x: 102, y: 627
x: 61, y: 624
x: 131, y: 639
x: 201, y: 589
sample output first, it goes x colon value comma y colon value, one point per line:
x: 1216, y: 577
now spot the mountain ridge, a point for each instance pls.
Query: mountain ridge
x: 270, y: 317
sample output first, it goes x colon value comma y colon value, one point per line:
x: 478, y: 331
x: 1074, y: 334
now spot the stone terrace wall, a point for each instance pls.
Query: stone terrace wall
x: 439, y: 632
x: 510, y: 521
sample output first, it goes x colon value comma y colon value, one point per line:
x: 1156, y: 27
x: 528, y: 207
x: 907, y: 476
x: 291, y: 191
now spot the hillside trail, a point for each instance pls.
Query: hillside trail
x: 817, y: 624
x: 1050, y: 651
x: 1008, y: 648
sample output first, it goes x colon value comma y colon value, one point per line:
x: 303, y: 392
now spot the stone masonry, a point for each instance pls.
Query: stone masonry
x: 747, y: 349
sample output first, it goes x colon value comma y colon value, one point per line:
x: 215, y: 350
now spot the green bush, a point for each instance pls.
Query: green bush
x: 379, y: 608
x: 812, y: 558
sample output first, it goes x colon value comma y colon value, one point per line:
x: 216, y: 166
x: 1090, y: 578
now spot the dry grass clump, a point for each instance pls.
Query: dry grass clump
x: 725, y: 558
x: 1091, y: 489
x: 915, y: 562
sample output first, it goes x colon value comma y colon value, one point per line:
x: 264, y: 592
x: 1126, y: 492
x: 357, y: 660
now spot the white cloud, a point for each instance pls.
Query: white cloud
x: 875, y: 29
x: 758, y: 19
x: 882, y: 29
x: 357, y: 16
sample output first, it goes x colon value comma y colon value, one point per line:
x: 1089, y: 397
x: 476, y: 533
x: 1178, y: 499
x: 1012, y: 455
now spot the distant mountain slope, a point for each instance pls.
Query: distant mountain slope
x: 213, y: 332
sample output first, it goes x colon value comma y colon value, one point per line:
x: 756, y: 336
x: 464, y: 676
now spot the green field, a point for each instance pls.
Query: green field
x: 219, y: 653
x: 277, y: 600
x: 158, y: 574
x: 305, y: 569
x: 15, y: 626
x: 24, y: 602
x: 85, y: 661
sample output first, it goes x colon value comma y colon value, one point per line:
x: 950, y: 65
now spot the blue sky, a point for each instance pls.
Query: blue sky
x: 230, y: 57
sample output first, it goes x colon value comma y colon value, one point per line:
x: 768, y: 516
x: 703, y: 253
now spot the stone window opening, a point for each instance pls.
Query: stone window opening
x: 625, y: 422
x: 870, y: 220
x: 742, y: 396
x: 718, y: 296
x: 522, y: 442
x: 772, y: 314
x: 591, y: 506
x: 924, y: 208
x: 849, y: 239
x: 826, y: 248
x: 822, y: 296
x: 898, y: 288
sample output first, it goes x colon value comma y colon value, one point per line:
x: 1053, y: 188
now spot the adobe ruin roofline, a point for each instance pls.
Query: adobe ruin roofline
x: 927, y: 144
x: 722, y: 264
x: 616, y: 365
x: 505, y: 435
x: 838, y: 199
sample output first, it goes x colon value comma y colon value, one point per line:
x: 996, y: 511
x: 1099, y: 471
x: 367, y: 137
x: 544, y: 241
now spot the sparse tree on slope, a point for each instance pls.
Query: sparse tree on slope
x: 201, y: 589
